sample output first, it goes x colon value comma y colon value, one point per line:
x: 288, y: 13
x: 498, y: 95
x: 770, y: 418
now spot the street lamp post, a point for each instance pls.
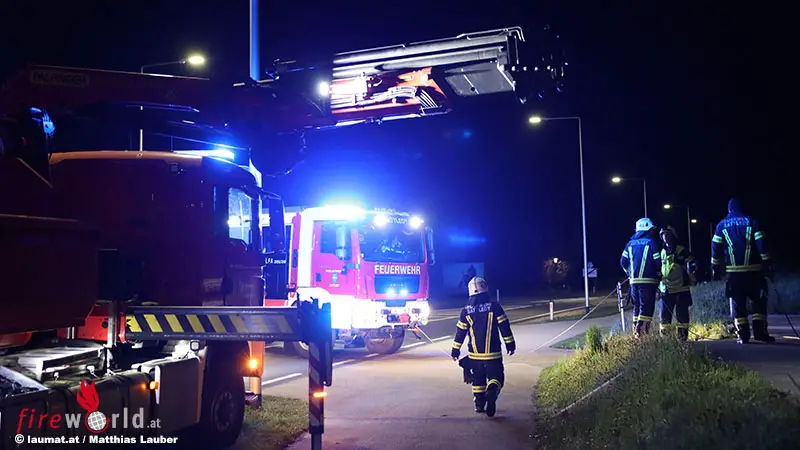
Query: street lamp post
x: 537, y: 120
x: 689, y: 222
x: 194, y: 60
x: 617, y: 180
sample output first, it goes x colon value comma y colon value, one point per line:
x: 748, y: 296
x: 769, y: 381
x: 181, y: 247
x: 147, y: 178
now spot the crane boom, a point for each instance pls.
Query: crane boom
x: 401, y: 81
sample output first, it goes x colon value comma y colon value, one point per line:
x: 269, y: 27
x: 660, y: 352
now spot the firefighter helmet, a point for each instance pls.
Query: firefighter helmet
x: 644, y: 224
x: 477, y: 286
x: 668, y: 229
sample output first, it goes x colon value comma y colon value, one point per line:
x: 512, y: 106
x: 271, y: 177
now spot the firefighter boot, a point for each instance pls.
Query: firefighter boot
x: 492, y: 392
x: 683, y: 334
x: 743, y: 332
x: 480, y: 403
x: 760, y: 332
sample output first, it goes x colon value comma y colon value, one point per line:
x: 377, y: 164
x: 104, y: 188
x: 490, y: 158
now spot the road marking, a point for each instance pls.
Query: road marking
x: 513, y: 308
x: 336, y: 364
x: 347, y: 361
x: 283, y: 378
x: 416, y: 344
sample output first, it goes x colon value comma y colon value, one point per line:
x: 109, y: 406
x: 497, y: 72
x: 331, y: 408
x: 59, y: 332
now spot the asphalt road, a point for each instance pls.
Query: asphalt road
x: 280, y: 368
x: 416, y: 399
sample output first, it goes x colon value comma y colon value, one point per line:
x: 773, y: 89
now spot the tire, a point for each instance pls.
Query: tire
x: 297, y: 349
x: 223, y: 406
x: 386, y: 345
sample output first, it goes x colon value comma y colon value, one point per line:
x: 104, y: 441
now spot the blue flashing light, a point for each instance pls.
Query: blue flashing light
x: 220, y: 153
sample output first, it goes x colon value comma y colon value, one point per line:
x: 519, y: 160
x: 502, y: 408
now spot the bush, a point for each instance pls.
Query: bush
x: 594, y: 339
x: 668, y: 396
x: 711, y: 304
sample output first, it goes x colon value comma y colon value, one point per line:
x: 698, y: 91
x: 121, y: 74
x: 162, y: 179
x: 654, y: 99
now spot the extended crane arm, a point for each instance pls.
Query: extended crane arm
x: 408, y: 80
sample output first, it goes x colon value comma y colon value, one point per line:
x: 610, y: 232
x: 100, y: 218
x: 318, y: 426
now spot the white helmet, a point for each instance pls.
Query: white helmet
x: 644, y: 224
x: 477, y: 286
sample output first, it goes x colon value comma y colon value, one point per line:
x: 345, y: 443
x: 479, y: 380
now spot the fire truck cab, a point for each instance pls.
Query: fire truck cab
x: 372, y: 266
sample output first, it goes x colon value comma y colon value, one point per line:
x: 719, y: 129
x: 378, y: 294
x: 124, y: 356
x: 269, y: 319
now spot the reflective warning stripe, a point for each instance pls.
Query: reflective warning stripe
x: 213, y: 323
x: 316, y: 367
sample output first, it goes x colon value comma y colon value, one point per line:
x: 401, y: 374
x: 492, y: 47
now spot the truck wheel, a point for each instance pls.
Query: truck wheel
x: 386, y: 345
x: 298, y: 349
x: 223, y: 406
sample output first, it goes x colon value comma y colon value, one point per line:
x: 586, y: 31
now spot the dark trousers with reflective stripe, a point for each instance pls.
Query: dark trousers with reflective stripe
x: 643, y: 297
x: 739, y: 287
x: 678, y: 302
x: 484, y: 375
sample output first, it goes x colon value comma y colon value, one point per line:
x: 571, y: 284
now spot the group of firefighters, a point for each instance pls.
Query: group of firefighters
x: 657, y: 265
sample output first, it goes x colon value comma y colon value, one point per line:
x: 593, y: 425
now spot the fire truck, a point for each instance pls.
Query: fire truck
x: 372, y: 266
x: 125, y: 291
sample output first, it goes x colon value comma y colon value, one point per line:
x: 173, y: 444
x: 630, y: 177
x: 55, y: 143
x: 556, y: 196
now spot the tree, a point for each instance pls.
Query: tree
x: 555, y: 271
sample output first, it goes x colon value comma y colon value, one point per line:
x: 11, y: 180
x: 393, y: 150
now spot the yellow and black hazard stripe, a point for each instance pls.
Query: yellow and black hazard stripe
x: 213, y: 323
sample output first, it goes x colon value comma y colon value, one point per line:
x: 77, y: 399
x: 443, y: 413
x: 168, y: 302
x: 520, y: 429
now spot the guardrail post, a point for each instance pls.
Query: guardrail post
x: 621, y: 305
x: 320, y: 371
x: 551, y: 311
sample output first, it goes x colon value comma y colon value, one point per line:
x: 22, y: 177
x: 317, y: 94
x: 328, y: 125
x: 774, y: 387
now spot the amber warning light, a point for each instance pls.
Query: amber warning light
x: 320, y: 394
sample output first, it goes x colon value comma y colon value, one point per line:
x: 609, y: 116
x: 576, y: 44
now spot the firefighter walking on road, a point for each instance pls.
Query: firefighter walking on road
x: 738, y: 243
x: 641, y: 261
x: 678, y: 268
x: 484, y: 320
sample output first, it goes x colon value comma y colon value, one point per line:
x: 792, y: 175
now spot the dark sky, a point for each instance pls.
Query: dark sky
x: 679, y: 94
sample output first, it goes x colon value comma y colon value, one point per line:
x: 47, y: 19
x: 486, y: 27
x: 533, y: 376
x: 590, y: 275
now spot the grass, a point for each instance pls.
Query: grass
x: 711, y: 304
x: 668, y: 396
x: 578, y: 342
x: 277, y: 424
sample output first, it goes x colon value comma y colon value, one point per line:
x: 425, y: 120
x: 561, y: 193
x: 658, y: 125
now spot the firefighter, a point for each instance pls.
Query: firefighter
x: 485, y: 322
x: 738, y: 243
x: 678, y: 268
x: 641, y: 261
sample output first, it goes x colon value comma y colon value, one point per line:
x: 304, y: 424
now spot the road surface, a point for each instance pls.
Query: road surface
x: 416, y: 399
x: 441, y: 327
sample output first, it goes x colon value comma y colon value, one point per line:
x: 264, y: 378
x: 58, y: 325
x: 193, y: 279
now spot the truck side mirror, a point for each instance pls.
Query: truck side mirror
x: 277, y: 229
x: 341, y: 242
x: 429, y: 245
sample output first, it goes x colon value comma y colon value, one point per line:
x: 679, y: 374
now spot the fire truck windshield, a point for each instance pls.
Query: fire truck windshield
x: 394, y: 243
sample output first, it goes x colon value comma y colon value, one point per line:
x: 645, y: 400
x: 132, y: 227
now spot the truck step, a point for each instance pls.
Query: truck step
x: 44, y: 363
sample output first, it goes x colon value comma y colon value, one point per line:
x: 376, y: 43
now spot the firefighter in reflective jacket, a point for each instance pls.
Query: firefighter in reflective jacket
x: 738, y: 243
x: 678, y: 268
x: 484, y: 321
x: 641, y: 261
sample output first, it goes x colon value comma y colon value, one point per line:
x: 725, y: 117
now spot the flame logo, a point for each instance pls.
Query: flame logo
x: 87, y: 396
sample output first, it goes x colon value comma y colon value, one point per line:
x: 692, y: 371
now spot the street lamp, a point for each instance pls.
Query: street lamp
x: 192, y: 60
x: 689, y: 222
x: 535, y: 120
x: 555, y: 260
x: 618, y: 180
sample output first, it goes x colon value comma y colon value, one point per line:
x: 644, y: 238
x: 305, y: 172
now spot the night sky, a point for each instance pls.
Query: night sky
x: 679, y: 95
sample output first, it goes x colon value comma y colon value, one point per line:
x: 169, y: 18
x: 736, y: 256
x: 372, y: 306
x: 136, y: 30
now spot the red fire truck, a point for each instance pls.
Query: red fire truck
x: 120, y: 266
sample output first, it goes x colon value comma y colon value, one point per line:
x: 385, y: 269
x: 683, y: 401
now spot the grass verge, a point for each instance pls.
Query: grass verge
x: 578, y: 342
x: 277, y: 424
x: 668, y: 396
x: 711, y: 304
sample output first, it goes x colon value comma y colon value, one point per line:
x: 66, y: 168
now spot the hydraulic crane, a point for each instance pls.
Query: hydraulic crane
x: 120, y: 266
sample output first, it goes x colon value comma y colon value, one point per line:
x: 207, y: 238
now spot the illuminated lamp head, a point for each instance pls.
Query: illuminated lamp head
x: 416, y: 222
x: 380, y: 220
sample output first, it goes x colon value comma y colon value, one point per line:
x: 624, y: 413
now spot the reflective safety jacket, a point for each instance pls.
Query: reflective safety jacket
x: 738, y: 243
x: 675, y: 276
x: 484, y: 322
x: 641, y: 259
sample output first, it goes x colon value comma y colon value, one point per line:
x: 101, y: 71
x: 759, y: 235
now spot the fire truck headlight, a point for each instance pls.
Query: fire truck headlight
x: 391, y: 291
x: 323, y: 89
x: 404, y: 292
x: 380, y: 220
x: 415, y: 222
